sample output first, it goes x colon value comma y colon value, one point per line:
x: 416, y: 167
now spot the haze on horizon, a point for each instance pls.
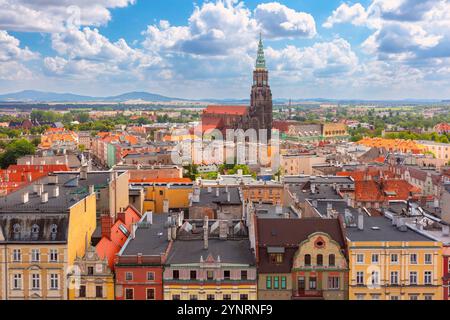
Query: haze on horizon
x: 369, y: 49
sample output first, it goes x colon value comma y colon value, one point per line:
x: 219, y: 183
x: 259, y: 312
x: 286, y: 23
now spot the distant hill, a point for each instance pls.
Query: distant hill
x: 40, y: 96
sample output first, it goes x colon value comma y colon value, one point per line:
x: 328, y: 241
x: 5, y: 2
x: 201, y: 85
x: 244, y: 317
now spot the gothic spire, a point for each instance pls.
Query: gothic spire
x: 260, y: 60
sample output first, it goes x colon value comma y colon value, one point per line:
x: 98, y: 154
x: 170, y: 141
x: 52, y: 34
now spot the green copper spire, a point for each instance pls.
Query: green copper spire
x: 260, y: 60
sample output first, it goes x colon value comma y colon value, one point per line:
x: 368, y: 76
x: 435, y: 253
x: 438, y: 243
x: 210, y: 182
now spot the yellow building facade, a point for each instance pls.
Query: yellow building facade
x: 38, y: 270
x: 92, y: 278
x: 395, y: 270
x: 160, y: 198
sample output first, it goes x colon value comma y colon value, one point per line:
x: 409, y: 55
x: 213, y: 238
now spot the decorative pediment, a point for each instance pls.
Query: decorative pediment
x: 210, y: 259
x: 319, y: 243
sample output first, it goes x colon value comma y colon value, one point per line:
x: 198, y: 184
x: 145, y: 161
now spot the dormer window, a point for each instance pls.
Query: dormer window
x: 16, y: 231
x: 34, y: 232
x: 53, y: 231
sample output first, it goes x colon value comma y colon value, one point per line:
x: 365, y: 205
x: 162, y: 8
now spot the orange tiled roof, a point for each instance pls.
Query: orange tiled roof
x: 392, y: 144
x: 374, y: 191
x: 18, y: 176
x: 370, y: 172
x: 108, y: 247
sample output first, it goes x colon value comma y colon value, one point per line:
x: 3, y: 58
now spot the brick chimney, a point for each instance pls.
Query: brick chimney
x: 121, y: 216
x: 106, y: 224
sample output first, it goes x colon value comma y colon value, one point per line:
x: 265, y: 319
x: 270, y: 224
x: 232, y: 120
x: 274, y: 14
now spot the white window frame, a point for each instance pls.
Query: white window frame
x: 127, y: 274
x: 151, y: 272
x: 428, y: 261
x: 35, y: 255
x: 428, y: 275
x: 411, y: 260
x: 377, y: 260
x: 411, y: 273
x: 394, y: 275
x: 358, y: 261
x: 53, y: 255
x: 35, y: 279
x: 17, y: 281
x: 396, y: 260
x: 17, y: 255
x: 360, y: 275
x: 375, y: 278
x: 54, y: 281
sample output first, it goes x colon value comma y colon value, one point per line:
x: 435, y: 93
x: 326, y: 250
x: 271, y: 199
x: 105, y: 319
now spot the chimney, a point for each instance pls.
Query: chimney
x: 169, y: 229
x: 349, y: 201
x: 205, y: 233
x: 44, y: 197
x: 360, y: 221
x: 25, y: 197
x: 314, y: 203
x: 91, y: 189
x: 53, y: 179
x: 229, y: 196
x: 55, y: 192
x: 38, y: 188
x: 83, y: 173
x: 121, y: 216
x: 223, y: 230
x: 313, y: 188
x: 209, y: 189
x: 106, y: 224
x: 445, y: 230
x: 217, y: 191
x: 149, y: 217
x: 278, y: 209
x: 133, y: 230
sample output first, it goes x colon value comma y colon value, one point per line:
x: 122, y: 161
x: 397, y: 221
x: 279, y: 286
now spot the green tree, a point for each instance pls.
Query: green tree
x: 15, y: 150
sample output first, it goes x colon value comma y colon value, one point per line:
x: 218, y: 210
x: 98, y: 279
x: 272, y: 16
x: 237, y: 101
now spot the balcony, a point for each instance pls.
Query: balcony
x: 307, y: 294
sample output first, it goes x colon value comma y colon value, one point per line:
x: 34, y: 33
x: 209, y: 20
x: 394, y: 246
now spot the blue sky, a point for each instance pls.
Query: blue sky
x: 372, y: 49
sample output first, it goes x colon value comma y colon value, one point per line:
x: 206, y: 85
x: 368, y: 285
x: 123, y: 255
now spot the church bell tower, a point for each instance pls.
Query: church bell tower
x: 261, y: 116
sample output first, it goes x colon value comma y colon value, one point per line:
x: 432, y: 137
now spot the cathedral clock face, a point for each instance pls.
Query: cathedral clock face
x: 90, y: 255
x: 98, y: 268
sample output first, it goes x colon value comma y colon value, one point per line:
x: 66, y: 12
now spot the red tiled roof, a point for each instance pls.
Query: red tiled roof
x: 108, y: 247
x: 374, y: 191
x: 229, y: 110
x: 370, y: 172
x: 162, y: 180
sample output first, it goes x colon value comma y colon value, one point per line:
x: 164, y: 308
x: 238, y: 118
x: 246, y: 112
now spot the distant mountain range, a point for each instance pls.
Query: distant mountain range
x: 40, y: 96
x: 33, y: 96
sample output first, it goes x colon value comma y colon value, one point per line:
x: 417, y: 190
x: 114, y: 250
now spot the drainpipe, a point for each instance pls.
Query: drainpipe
x: 6, y: 271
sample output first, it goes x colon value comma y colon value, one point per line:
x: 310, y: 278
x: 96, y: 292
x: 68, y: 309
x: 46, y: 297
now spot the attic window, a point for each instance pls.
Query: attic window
x: 16, y: 228
x: 34, y: 231
x: 53, y: 231
x: 16, y: 231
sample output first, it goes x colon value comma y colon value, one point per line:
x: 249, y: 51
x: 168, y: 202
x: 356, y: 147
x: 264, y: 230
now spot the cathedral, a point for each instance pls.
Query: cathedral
x: 256, y: 116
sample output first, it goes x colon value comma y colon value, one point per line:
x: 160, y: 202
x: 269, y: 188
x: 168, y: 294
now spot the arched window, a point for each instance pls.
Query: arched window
x: 16, y: 228
x: 16, y: 231
x: 35, y: 228
x: 332, y: 260
x: 34, y: 232
x: 320, y: 260
x: 307, y: 259
x: 53, y: 231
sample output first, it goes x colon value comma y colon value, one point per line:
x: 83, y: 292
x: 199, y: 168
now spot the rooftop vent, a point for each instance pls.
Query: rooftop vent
x: 44, y: 197
x: 25, y: 197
